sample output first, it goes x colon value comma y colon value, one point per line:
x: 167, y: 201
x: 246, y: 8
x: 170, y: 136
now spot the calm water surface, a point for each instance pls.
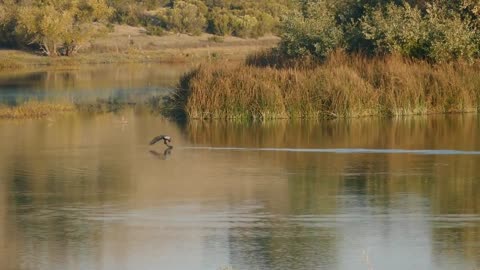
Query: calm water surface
x: 85, y: 191
x: 119, y: 82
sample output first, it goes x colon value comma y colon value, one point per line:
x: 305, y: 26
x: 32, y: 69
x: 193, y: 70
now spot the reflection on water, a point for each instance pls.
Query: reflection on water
x: 88, y: 193
x: 122, y: 82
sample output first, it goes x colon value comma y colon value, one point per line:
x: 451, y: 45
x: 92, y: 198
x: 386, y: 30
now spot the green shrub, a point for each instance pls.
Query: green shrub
x: 244, y: 26
x: 395, y: 29
x: 128, y: 13
x: 450, y: 37
x: 153, y: 30
x: 313, y: 32
x: 220, y: 22
x: 187, y: 17
x: 266, y: 23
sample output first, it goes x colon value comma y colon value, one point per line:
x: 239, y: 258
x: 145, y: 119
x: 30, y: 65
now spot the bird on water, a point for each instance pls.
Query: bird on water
x: 166, y: 139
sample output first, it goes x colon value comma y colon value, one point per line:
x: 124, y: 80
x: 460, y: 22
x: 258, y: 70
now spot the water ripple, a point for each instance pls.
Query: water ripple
x: 343, y: 150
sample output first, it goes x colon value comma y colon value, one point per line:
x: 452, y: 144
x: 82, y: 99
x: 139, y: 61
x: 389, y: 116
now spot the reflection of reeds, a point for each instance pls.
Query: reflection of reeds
x: 343, y: 86
x: 103, y: 106
x: 34, y: 110
x: 419, y: 132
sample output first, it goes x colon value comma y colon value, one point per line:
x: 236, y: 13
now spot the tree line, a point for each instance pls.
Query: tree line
x: 62, y: 27
x: 435, y: 30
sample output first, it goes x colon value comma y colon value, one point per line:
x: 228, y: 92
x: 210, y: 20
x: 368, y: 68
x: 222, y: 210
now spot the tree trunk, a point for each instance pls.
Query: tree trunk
x: 54, y: 50
x: 44, y: 47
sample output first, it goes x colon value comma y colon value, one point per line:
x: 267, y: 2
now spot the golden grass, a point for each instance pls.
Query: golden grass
x: 343, y: 86
x: 34, y: 110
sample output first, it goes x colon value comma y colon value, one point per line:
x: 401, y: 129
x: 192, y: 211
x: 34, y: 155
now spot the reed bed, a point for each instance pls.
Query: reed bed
x: 342, y: 86
x: 34, y: 110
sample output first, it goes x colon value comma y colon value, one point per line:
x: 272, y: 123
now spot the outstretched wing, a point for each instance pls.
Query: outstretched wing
x: 156, y: 139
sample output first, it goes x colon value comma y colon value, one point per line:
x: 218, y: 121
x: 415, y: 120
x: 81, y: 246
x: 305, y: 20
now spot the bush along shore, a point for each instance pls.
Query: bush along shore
x: 344, y: 85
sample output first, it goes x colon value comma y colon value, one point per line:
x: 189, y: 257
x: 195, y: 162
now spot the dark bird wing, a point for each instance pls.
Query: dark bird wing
x: 156, y: 139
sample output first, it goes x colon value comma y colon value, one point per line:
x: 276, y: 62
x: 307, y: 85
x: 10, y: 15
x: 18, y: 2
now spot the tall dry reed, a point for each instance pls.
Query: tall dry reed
x: 343, y: 86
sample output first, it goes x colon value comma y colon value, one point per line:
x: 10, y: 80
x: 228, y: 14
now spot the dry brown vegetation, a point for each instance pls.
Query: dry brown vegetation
x: 34, y: 110
x: 343, y: 86
x: 125, y: 38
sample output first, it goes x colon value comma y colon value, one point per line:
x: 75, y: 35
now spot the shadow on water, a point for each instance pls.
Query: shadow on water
x: 165, y: 155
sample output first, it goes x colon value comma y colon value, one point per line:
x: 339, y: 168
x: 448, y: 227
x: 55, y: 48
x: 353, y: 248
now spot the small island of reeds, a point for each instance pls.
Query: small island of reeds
x: 342, y: 86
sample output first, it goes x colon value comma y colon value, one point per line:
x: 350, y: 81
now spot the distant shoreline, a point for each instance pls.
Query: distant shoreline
x: 128, y: 44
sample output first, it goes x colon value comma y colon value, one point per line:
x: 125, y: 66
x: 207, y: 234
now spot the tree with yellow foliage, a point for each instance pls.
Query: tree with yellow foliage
x: 61, y: 27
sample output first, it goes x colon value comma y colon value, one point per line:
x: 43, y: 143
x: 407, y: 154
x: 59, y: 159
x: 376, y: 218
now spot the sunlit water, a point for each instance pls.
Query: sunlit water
x: 84, y: 191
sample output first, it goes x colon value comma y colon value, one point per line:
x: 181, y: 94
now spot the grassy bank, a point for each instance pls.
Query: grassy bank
x: 34, y: 110
x: 343, y: 86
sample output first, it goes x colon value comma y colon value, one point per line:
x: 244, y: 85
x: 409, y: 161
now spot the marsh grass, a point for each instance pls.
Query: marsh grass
x: 342, y: 86
x: 34, y: 109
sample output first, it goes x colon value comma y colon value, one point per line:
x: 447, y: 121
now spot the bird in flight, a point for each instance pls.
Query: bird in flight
x: 166, y: 139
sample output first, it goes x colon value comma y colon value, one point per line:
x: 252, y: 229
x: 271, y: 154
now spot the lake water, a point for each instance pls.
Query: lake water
x: 86, y: 191
x: 119, y: 82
